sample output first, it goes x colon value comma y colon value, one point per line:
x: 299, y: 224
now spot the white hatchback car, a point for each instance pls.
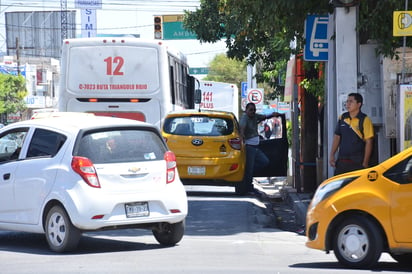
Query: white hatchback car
x: 87, y: 173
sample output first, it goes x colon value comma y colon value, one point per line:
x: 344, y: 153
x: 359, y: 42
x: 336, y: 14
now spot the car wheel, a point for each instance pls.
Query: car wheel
x: 169, y: 234
x: 61, y: 235
x: 403, y: 259
x: 357, y: 243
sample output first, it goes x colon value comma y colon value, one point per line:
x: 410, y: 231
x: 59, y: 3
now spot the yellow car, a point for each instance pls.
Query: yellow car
x: 207, y: 146
x: 363, y: 213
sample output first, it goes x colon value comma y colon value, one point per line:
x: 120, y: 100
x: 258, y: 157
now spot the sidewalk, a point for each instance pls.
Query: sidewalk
x: 288, y: 205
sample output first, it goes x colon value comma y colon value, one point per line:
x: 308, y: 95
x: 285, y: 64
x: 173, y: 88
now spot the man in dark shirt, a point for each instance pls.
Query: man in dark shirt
x: 354, y: 140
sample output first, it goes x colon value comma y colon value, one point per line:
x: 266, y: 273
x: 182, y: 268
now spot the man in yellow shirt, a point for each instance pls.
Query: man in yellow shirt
x: 353, y: 137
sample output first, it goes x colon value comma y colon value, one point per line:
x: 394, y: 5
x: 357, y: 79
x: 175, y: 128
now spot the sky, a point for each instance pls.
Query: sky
x: 125, y: 17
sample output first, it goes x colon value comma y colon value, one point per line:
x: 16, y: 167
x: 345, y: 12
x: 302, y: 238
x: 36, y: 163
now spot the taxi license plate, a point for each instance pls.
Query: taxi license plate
x: 138, y: 209
x: 196, y: 170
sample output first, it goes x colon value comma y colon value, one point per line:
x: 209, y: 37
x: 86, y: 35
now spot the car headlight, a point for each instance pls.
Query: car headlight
x: 330, y: 188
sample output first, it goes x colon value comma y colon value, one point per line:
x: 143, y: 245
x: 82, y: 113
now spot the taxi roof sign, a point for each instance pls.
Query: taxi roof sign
x: 402, y: 23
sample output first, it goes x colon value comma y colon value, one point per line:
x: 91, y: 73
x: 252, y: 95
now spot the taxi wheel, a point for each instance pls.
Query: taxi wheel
x: 169, y: 234
x: 357, y: 243
x: 61, y: 235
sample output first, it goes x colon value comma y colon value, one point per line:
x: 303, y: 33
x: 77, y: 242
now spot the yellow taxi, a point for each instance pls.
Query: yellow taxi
x: 363, y: 213
x: 207, y: 146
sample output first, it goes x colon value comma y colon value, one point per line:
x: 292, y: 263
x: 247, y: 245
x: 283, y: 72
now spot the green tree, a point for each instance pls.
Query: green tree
x: 224, y: 69
x: 262, y: 30
x: 12, y: 93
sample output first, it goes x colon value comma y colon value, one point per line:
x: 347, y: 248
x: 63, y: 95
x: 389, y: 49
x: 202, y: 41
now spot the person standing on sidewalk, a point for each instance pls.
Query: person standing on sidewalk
x: 255, y: 158
x: 353, y: 137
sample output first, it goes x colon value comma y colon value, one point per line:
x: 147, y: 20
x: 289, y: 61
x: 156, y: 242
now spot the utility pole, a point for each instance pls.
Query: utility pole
x: 18, y: 55
x: 403, y: 50
x: 342, y: 68
x: 63, y: 17
x: 251, y: 80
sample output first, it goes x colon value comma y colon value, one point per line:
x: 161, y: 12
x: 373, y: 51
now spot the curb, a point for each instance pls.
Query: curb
x: 300, y: 203
x: 278, y: 188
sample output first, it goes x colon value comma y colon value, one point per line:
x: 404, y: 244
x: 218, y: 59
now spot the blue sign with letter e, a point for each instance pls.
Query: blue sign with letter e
x: 316, y: 34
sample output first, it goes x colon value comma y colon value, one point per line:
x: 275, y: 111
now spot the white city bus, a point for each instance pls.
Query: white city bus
x: 124, y: 77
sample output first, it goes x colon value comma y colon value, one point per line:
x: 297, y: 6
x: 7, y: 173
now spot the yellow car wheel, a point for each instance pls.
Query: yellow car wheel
x: 357, y: 243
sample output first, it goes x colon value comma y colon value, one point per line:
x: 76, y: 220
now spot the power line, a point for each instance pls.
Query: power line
x: 112, y: 5
x: 119, y: 5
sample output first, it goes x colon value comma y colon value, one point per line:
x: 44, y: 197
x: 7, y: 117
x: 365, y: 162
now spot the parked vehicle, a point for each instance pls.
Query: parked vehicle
x: 363, y: 213
x: 209, y: 151
x: 207, y: 145
x: 8, y: 143
x: 80, y: 173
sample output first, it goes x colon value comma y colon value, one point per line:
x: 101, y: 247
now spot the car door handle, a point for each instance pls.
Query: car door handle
x: 6, y: 176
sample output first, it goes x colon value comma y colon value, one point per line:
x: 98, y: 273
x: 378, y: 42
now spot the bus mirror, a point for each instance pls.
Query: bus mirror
x: 198, y: 96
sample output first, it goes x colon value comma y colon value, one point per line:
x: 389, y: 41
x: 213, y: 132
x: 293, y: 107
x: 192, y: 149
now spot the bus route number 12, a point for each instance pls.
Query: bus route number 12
x: 116, y: 62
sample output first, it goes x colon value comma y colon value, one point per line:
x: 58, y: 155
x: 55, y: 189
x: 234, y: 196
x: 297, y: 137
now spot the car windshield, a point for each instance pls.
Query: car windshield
x: 198, y: 125
x: 116, y: 146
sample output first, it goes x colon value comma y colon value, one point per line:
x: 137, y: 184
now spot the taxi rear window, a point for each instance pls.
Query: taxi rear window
x: 199, y: 126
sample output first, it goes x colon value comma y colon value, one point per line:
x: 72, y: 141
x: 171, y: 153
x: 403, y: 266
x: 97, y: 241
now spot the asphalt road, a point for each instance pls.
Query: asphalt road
x: 224, y: 234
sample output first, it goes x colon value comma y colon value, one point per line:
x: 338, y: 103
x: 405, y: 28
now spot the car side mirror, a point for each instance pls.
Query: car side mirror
x: 198, y: 96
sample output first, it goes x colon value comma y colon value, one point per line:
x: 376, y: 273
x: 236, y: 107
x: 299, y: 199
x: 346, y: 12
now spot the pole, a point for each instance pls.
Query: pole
x: 296, y: 133
x: 403, y: 50
x: 18, y: 55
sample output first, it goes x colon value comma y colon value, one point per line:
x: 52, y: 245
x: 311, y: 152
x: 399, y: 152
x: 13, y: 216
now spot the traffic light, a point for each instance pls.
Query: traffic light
x: 158, y: 27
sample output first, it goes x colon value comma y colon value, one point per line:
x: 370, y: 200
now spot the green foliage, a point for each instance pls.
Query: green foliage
x: 312, y: 83
x: 315, y: 87
x: 223, y: 69
x: 261, y: 31
x: 12, y: 93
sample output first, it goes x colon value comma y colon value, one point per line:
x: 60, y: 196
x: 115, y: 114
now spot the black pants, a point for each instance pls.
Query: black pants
x: 347, y: 165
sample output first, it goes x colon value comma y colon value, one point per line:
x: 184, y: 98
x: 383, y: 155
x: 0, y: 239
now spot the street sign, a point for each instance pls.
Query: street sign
x: 89, y: 23
x: 175, y: 31
x: 244, y: 103
x: 316, y: 34
x: 173, y: 28
x: 402, y: 23
x: 244, y: 89
x: 81, y: 4
x: 198, y: 70
x: 256, y: 96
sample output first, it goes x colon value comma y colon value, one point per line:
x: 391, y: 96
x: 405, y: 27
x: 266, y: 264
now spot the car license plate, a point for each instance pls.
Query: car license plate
x: 196, y: 170
x: 138, y: 209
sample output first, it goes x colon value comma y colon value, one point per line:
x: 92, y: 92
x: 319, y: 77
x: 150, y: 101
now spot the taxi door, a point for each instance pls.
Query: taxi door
x: 274, y: 143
